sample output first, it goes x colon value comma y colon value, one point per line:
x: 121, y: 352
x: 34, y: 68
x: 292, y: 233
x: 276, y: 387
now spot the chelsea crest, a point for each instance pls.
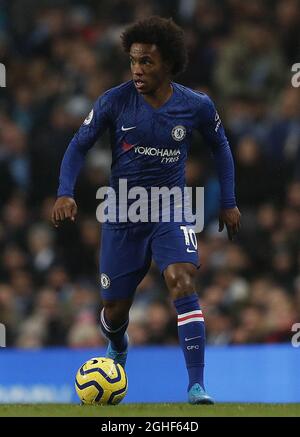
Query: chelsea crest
x: 178, y: 133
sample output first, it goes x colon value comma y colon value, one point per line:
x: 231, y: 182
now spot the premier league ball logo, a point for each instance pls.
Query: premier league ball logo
x: 178, y: 133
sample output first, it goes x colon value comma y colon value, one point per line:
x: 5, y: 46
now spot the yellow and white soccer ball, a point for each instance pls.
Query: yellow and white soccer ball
x: 101, y: 381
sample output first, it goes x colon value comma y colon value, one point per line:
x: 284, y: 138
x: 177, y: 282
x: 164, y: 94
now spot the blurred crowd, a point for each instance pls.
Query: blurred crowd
x: 59, y: 57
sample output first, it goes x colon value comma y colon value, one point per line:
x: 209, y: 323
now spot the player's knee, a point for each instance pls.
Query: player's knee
x: 184, y: 287
x: 116, y: 313
x: 181, y: 282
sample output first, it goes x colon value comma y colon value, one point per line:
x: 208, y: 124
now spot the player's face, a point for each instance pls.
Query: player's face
x: 147, y: 67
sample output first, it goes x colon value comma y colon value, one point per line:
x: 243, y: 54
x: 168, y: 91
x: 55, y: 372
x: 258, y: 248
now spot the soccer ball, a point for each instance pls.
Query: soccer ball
x: 101, y: 381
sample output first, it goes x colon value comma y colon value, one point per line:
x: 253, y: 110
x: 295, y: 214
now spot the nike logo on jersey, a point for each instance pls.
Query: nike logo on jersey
x: 124, y: 129
x: 192, y: 338
x: 190, y: 250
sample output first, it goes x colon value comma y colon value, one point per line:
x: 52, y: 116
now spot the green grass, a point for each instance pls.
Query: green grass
x: 150, y: 410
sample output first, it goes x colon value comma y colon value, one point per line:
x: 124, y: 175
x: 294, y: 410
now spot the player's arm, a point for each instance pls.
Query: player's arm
x: 93, y: 126
x: 212, y: 130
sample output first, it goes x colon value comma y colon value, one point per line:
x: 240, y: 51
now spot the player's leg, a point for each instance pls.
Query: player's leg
x: 175, y: 251
x: 114, y: 322
x: 180, y: 280
x: 117, y: 299
x: 124, y: 260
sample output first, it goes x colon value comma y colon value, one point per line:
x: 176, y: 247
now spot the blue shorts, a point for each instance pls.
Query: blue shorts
x: 126, y: 254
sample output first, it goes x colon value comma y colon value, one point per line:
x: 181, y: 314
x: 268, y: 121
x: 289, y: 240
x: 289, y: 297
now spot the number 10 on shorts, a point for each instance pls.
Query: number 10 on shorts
x: 190, y: 238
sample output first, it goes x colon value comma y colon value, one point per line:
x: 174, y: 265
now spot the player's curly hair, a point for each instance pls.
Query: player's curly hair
x: 165, y: 34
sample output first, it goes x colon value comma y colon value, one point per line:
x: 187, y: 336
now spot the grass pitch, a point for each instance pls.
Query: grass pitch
x: 151, y: 410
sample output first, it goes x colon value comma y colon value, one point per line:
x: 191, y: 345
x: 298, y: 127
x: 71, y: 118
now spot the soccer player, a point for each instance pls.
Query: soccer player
x: 150, y: 119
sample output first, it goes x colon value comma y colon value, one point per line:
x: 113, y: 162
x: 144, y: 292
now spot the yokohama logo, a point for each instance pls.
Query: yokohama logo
x: 152, y: 151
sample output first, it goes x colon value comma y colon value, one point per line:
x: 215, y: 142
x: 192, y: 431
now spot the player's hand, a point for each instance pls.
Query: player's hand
x: 231, y: 218
x: 64, y: 208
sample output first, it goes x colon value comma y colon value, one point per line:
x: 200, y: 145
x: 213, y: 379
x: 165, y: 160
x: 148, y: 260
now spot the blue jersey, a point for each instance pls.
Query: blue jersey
x: 150, y: 146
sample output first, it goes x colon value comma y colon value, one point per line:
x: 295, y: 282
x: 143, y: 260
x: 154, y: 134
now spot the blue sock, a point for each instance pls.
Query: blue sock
x: 117, y: 336
x: 191, y: 333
